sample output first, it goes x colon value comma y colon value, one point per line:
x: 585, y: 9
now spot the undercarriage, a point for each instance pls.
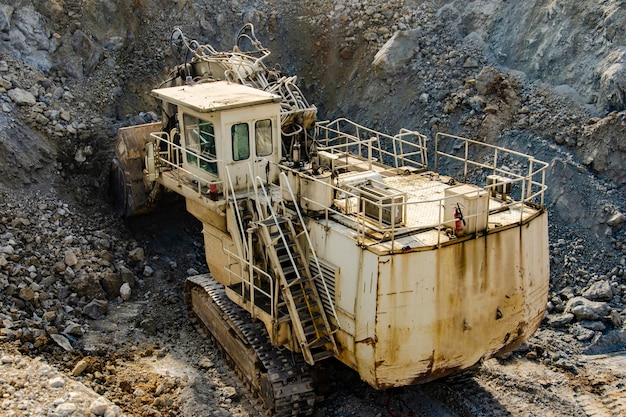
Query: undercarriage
x: 279, y: 377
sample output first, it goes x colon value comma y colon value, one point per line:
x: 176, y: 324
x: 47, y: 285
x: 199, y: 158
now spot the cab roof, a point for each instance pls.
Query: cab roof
x: 213, y: 96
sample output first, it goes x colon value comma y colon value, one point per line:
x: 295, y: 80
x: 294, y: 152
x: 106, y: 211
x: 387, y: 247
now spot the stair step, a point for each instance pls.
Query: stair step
x: 286, y: 258
x: 310, y: 330
x: 298, y: 293
x: 311, y: 317
x: 272, y: 222
x: 276, y: 235
x: 290, y: 269
x: 300, y: 307
x: 305, y: 316
x: 321, y: 342
x: 280, y: 246
x: 325, y: 354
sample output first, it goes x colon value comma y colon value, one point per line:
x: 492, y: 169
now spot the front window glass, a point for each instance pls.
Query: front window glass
x: 241, y: 141
x: 263, y: 137
x: 200, y: 137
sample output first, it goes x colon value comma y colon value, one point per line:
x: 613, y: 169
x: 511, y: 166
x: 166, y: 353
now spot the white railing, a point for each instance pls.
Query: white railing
x: 343, y: 137
x: 249, y: 287
x: 311, y: 247
x: 169, y: 156
x: 527, y: 171
x: 358, y: 149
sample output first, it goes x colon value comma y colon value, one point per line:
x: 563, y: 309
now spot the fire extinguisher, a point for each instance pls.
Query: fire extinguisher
x: 459, y: 221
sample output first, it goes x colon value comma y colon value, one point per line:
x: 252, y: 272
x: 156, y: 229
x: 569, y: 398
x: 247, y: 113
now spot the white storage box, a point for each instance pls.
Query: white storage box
x: 473, y: 202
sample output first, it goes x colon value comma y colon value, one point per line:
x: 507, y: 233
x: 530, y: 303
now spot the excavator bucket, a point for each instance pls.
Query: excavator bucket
x: 131, y: 193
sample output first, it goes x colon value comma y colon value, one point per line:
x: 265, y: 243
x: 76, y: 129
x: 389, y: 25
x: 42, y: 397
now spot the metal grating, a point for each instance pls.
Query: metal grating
x: 328, y: 273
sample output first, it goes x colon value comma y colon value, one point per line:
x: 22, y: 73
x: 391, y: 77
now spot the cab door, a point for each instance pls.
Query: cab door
x: 254, y: 146
x: 201, y: 145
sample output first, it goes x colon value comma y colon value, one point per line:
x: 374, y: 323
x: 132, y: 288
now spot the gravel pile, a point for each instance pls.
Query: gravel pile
x: 58, y: 269
x: 103, y: 319
x: 36, y: 388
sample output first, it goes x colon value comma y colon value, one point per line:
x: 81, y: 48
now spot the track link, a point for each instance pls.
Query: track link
x: 279, y: 377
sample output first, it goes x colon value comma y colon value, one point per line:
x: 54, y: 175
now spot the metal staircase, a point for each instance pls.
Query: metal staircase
x: 300, y: 302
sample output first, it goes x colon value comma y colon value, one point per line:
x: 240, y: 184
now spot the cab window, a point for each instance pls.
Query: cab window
x: 241, y: 141
x: 200, y: 136
x: 263, y: 137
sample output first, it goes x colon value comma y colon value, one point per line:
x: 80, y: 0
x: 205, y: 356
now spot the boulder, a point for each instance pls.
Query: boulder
x: 612, y: 85
x: 111, y: 283
x: 585, y: 309
x: 88, y: 286
x: 136, y: 254
x: 560, y: 320
x: 581, y: 333
x: 125, y: 291
x: 22, y: 97
x: 70, y: 258
x: 397, y: 53
x: 96, y: 309
x: 616, y: 219
x: 599, y: 291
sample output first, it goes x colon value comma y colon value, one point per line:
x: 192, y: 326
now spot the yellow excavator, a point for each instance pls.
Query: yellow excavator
x: 328, y: 239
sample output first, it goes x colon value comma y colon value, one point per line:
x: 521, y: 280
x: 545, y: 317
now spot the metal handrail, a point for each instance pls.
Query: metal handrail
x: 394, y: 230
x: 342, y: 135
x: 311, y: 246
x: 496, y: 149
x: 276, y: 223
x: 256, y: 269
x: 171, y: 158
x: 363, y: 144
x: 247, y: 253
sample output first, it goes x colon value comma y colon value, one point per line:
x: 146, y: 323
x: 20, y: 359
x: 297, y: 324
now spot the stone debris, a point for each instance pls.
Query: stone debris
x: 63, y: 397
x: 33, y: 280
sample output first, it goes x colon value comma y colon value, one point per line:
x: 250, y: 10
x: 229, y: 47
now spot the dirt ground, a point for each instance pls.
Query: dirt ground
x: 145, y: 357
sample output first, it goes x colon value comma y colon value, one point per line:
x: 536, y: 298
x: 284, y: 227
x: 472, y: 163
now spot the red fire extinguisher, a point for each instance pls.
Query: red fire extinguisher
x: 459, y: 221
x: 213, y: 191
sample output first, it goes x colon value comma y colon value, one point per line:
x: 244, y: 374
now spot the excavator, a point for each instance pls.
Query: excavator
x: 406, y: 258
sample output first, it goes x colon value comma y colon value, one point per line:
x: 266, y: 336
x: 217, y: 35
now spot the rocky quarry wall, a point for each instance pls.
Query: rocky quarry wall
x: 82, y: 68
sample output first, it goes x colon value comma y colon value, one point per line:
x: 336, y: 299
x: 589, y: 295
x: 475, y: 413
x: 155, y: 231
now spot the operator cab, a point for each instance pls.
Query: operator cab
x: 226, y: 130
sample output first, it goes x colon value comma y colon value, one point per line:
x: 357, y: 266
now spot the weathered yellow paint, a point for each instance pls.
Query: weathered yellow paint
x: 486, y: 295
x: 214, y: 242
x: 200, y: 212
x: 441, y: 310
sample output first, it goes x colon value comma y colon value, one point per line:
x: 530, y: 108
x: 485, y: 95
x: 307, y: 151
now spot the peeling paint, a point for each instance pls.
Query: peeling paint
x: 422, y: 315
x: 367, y: 341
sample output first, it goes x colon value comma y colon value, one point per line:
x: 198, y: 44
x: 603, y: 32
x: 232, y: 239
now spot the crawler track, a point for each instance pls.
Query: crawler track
x: 280, y: 378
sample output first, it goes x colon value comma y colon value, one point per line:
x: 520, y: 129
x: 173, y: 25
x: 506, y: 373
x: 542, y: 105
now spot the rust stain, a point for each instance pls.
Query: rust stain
x: 474, y: 296
x: 367, y: 341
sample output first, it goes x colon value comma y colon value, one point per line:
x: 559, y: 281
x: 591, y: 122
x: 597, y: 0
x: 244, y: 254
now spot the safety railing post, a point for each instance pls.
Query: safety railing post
x: 436, y: 152
x: 530, y: 178
x: 466, y: 159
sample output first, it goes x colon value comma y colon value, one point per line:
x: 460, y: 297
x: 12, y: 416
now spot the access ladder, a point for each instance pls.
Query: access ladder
x: 300, y: 303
